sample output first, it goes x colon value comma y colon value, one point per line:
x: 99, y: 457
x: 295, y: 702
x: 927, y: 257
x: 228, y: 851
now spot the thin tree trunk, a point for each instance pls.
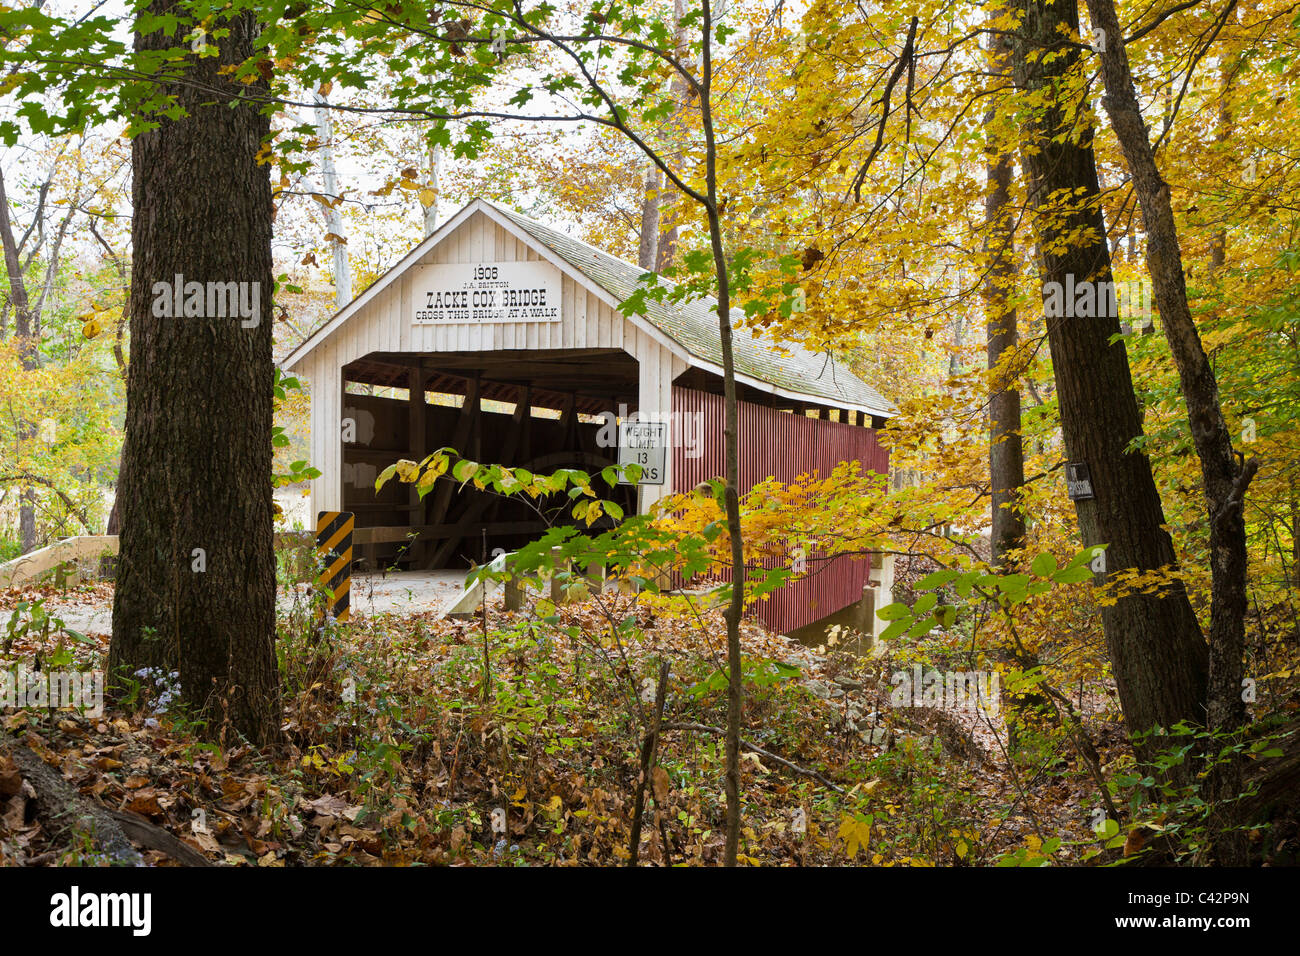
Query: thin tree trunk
x: 668, y: 203
x: 1219, y: 241
x: 648, y: 246
x: 27, y: 504
x: 1157, y: 652
x: 958, y: 340
x: 1295, y: 535
x: 434, y: 184
x: 333, y: 215
x: 1006, y: 451
x: 649, y: 748
x: 196, y: 573
x: 23, y: 332
x: 108, y: 562
x: 731, y: 456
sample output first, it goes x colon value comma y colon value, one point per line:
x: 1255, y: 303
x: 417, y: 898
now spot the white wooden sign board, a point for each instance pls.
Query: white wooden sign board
x: 478, y: 292
x: 644, y: 444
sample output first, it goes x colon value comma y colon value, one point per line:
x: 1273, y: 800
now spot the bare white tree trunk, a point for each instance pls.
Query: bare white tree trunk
x: 432, y: 185
x: 25, y: 321
x: 648, y: 248
x: 333, y: 216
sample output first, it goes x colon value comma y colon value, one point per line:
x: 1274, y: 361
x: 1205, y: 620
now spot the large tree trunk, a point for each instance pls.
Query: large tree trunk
x: 1156, y: 649
x: 196, y: 576
x: 1225, y: 481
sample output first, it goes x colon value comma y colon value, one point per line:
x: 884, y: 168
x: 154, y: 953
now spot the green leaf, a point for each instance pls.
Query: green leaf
x: 1072, y: 575
x: 924, y: 626
x: 895, y: 629
x: 1043, y: 565
x: 937, y: 580
x: 894, y: 612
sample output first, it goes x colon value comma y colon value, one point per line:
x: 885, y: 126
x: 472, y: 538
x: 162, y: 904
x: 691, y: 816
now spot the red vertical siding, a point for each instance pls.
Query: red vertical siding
x: 779, y: 445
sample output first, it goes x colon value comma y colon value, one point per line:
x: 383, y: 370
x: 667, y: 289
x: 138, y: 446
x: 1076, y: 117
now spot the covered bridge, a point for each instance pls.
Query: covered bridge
x: 502, y: 338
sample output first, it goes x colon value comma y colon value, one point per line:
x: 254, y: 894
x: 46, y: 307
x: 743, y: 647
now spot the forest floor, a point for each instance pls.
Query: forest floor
x: 404, y: 745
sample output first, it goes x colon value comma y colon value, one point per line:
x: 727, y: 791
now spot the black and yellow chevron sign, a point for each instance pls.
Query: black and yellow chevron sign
x: 334, y: 548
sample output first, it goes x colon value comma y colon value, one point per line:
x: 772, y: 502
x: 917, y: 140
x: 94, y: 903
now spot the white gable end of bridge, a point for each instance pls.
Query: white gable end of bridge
x: 380, y: 320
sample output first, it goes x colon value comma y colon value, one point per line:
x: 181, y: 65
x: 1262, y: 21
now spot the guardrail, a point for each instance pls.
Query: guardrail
x: 32, y: 565
x: 22, y: 569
